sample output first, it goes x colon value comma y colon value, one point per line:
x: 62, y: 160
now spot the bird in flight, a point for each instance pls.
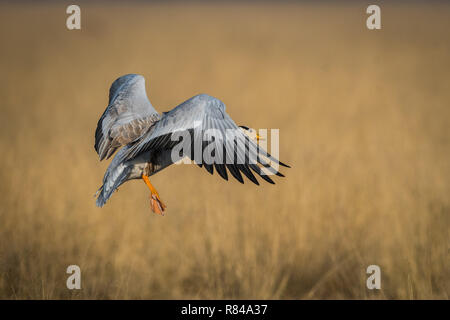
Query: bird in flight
x: 150, y: 141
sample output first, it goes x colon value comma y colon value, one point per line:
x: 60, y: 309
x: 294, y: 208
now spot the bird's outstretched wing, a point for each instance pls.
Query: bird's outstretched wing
x: 200, y: 115
x: 128, y: 115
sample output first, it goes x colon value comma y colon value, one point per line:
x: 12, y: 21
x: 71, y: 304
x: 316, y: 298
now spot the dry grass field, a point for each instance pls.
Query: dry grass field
x: 364, y: 122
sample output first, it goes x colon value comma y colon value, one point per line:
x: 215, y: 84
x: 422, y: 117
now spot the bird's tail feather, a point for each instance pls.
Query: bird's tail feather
x: 114, y: 177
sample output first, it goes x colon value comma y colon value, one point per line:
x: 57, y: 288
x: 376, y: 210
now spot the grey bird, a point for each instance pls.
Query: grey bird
x: 147, y: 139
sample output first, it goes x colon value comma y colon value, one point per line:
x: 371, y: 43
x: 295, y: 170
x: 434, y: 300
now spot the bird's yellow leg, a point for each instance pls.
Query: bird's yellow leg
x: 155, y: 201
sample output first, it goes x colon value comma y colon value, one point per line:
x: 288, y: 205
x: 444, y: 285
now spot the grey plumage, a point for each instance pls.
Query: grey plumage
x: 131, y: 121
x: 128, y: 115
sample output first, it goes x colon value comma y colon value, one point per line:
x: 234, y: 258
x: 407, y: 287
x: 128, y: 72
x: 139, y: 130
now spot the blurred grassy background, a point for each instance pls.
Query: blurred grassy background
x: 364, y: 121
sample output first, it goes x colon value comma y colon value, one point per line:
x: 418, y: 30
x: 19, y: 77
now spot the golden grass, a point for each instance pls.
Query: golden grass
x: 364, y: 121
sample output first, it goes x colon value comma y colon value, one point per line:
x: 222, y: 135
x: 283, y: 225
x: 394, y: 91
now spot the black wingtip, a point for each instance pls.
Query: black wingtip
x: 220, y: 168
x: 209, y: 168
x: 283, y: 164
x: 235, y: 173
x: 258, y: 170
x: 246, y: 171
x: 267, y: 179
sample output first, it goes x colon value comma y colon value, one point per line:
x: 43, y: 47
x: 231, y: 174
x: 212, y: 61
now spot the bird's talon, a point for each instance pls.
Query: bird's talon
x: 156, y: 204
